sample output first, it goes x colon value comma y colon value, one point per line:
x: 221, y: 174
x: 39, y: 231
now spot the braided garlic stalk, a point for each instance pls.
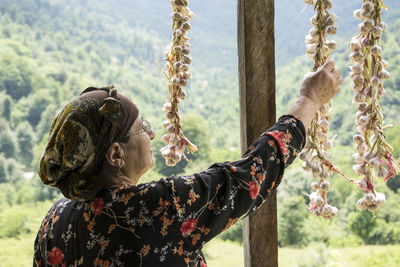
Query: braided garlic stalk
x: 177, y: 72
x: 315, y: 155
x: 373, y: 156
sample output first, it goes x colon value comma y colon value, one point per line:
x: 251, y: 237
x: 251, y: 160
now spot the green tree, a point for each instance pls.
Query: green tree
x: 393, y: 137
x: 3, y: 173
x: 15, y: 76
x: 46, y: 119
x: 37, y: 105
x: 25, y: 137
x: 6, y: 112
x: 361, y: 223
x: 8, y: 145
x: 292, y: 216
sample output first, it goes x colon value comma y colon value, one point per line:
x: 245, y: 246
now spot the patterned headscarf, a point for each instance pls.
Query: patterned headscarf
x: 80, y: 136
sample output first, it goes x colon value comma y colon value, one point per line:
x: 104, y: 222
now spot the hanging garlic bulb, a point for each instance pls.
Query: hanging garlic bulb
x: 315, y: 155
x: 177, y: 73
x: 373, y: 156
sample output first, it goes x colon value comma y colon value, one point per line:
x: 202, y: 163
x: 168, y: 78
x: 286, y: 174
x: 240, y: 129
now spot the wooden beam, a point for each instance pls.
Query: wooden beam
x: 256, y: 46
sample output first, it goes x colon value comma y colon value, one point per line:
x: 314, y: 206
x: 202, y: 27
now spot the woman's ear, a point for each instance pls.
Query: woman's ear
x: 115, y: 155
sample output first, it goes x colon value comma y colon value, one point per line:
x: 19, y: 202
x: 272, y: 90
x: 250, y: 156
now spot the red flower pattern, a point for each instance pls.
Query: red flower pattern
x: 254, y: 188
x: 55, y: 256
x: 203, y: 264
x: 279, y: 136
x: 188, y: 226
x: 97, y: 206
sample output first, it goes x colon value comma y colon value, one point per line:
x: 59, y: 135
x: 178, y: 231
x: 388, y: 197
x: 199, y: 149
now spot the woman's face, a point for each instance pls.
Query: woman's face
x: 138, y: 154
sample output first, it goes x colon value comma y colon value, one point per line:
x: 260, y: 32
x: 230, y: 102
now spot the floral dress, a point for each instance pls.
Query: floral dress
x: 167, y: 222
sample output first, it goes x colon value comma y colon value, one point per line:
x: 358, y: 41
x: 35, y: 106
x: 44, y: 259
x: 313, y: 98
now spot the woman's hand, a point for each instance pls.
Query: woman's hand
x: 317, y: 89
x: 322, y: 85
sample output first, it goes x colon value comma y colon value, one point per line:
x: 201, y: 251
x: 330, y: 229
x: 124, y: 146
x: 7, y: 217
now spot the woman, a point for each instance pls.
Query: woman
x: 99, y: 147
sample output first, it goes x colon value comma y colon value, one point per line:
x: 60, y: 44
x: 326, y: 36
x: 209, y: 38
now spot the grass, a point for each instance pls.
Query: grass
x: 17, y: 252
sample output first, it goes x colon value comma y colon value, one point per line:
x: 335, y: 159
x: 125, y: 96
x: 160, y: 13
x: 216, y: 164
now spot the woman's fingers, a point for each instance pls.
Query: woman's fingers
x: 329, y: 66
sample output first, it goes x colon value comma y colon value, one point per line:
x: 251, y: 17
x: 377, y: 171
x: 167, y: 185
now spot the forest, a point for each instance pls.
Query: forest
x: 51, y: 50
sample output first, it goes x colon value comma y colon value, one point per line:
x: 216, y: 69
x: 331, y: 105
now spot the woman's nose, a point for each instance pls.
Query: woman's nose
x: 152, y: 135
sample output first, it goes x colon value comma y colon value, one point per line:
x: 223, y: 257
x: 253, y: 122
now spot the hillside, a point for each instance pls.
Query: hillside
x: 51, y: 50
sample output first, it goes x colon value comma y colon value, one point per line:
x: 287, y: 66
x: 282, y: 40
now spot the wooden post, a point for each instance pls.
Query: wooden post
x: 256, y: 46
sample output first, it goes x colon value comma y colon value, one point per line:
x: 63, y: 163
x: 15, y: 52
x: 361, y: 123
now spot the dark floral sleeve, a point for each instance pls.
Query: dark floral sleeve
x: 193, y: 209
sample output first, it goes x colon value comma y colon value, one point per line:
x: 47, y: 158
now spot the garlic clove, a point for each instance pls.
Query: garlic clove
x: 382, y: 172
x: 380, y: 199
x: 170, y: 162
x: 376, y: 50
x: 310, y: 39
x: 169, y: 116
x: 374, y: 163
x: 317, y: 201
x: 174, y: 141
x: 357, y: 57
x: 324, y: 186
x: 331, y: 30
x: 355, y: 45
x: 181, y: 94
x: 372, y: 208
x: 362, y: 183
x: 377, y: 31
x: 359, y: 97
x: 362, y: 106
x: 357, y: 14
x: 327, y: 210
x: 367, y: 6
x: 383, y: 26
x: 165, y: 138
x: 166, y: 107
x: 331, y: 45
x: 359, y: 169
x: 324, y: 124
x: 327, y: 4
x: 177, y: 49
x: 357, y: 87
x: 330, y: 20
x: 183, y: 82
x: 304, y: 155
x: 315, y: 185
x: 375, y: 82
x: 358, y: 80
x: 367, y: 156
x: 306, y: 165
x: 321, y: 136
x: 369, y: 24
x: 358, y: 158
x: 362, y: 204
x: 171, y: 130
x: 327, y: 144
x: 357, y: 68
x: 335, y: 212
x: 362, y: 148
x: 166, y: 123
x: 311, y: 48
x: 384, y: 74
x: 370, y: 198
x: 314, y: 20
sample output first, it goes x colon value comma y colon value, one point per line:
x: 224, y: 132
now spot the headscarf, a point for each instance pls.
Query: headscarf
x: 80, y: 136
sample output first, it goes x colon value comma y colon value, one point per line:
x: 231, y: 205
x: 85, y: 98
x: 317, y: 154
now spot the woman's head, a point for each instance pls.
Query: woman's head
x: 81, y: 136
x: 132, y: 155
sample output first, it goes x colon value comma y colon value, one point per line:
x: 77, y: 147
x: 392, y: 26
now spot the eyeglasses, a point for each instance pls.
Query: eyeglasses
x: 146, y: 128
